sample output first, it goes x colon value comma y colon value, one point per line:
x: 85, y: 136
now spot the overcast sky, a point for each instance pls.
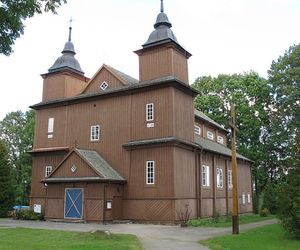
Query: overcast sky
x: 224, y: 36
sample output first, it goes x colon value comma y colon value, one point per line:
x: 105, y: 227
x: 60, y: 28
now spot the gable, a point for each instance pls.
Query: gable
x: 82, y: 168
x: 104, y: 74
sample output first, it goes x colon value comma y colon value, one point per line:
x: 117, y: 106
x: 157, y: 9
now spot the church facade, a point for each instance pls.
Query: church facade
x: 116, y: 148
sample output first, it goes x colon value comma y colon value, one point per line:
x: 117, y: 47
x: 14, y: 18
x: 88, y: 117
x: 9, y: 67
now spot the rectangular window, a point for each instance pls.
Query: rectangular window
x: 243, y: 199
x: 197, y: 130
x: 95, y: 133
x: 150, y: 172
x: 219, y: 178
x: 48, y: 170
x: 220, y: 139
x: 149, y: 112
x: 205, y: 176
x: 249, y: 198
x: 229, y: 179
x: 50, y: 127
x: 210, y: 135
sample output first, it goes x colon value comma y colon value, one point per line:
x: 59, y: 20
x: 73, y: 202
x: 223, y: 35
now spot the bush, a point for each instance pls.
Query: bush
x: 264, y: 212
x: 25, y: 214
x: 289, y: 209
x: 271, y: 199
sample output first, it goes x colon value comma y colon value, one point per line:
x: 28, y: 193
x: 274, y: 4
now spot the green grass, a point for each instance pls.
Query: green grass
x: 270, y: 237
x: 25, y: 239
x: 224, y: 221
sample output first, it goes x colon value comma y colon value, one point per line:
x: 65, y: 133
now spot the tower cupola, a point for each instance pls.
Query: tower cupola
x: 67, y: 61
x: 162, y: 55
x: 162, y: 30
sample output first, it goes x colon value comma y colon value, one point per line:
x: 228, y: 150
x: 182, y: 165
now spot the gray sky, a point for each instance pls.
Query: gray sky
x: 224, y: 36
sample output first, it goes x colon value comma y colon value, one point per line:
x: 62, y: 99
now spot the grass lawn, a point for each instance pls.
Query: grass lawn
x: 25, y: 239
x: 224, y: 221
x: 266, y: 238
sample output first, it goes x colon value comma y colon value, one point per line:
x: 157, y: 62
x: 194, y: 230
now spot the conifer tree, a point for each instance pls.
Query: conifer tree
x: 6, y: 187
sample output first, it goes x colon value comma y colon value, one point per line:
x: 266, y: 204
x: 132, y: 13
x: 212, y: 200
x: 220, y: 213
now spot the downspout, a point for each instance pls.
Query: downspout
x: 226, y: 186
x: 197, y: 182
x: 200, y: 181
x: 104, y: 202
x: 214, y: 184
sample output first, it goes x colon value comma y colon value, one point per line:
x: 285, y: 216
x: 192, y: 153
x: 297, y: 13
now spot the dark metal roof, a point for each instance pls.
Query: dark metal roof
x: 124, y: 90
x: 162, y: 29
x: 76, y: 179
x: 204, y: 117
x: 99, y: 165
x: 67, y: 60
x: 127, y: 78
x: 217, y: 148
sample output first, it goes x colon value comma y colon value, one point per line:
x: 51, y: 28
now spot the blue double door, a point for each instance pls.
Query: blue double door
x: 73, y: 203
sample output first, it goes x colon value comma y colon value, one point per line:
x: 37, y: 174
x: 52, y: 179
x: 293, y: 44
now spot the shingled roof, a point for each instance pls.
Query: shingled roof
x: 95, y: 161
x: 127, y: 78
x: 99, y: 164
x: 204, y: 117
x: 217, y: 148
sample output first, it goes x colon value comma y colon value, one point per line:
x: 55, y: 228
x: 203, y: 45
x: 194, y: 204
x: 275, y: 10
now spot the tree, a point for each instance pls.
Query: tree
x: 6, y: 187
x: 284, y: 77
x: 250, y: 93
x: 16, y: 131
x: 13, y: 13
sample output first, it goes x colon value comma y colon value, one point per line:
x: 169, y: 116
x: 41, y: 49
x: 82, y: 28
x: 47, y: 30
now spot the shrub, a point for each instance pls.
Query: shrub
x: 264, y: 212
x: 289, y: 210
x: 271, y: 199
x: 25, y: 214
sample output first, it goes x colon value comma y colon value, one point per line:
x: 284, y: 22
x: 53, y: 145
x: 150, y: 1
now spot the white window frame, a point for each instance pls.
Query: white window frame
x: 219, y: 172
x: 230, y: 179
x: 220, y: 139
x: 150, y: 172
x: 248, y: 198
x: 48, y: 170
x: 210, y: 135
x: 94, y: 136
x: 149, y: 112
x: 50, y: 127
x: 104, y: 85
x: 205, y: 176
x: 197, y: 130
x: 244, y: 199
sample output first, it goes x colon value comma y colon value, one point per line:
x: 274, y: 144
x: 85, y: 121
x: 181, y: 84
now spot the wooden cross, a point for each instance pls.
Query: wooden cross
x: 235, y: 213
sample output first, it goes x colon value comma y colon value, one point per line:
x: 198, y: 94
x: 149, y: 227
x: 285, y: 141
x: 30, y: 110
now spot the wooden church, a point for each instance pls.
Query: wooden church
x: 116, y: 148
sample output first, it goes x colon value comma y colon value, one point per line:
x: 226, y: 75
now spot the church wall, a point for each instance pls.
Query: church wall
x: 163, y: 114
x: 180, y: 66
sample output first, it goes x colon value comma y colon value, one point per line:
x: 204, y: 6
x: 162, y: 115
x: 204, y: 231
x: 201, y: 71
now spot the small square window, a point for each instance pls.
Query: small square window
x: 197, y: 130
x: 104, y: 85
x: 210, y: 135
x: 108, y: 204
x: 220, y: 139
x: 95, y: 133
x: 48, y: 170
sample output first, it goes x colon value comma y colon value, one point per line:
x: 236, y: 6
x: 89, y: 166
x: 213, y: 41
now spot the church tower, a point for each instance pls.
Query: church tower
x: 162, y: 55
x: 65, y: 78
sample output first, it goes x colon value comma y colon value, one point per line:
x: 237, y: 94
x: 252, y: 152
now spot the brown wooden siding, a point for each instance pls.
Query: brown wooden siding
x: 82, y: 169
x: 183, y: 116
x: 62, y: 85
x: 103, y: 75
